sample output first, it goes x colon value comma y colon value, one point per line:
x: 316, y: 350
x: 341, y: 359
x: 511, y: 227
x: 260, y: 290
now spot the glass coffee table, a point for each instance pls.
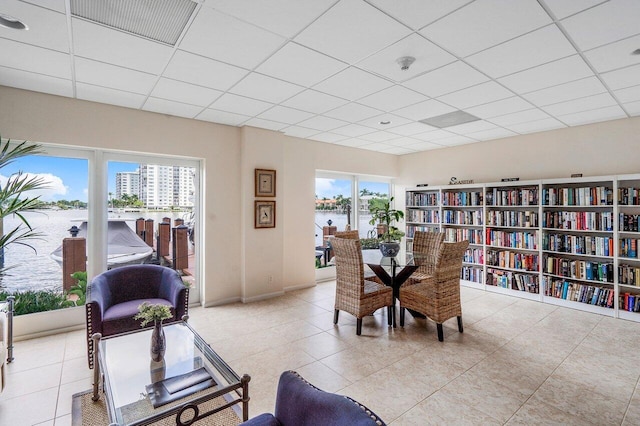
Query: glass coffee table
x: 191, y: 382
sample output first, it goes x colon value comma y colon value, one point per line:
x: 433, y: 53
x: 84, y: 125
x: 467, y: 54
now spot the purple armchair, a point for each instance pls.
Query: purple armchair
x: 113, y: 298
x: 299, y: 403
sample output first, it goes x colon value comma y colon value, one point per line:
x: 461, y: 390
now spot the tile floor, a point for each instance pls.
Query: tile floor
x: 518, y: 362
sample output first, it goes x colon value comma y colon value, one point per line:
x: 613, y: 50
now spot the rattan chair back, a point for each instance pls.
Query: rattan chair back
x: 427, y: 245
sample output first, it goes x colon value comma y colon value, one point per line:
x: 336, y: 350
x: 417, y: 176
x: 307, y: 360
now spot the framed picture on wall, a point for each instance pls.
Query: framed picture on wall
x: 265, y: 183
x: 265, y: 214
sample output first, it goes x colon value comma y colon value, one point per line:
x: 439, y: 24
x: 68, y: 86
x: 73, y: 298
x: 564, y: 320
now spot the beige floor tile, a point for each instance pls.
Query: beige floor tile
x: 323, y: 377
x: 273, y: 361
x: 295, y: 330
x: 321, y: 345
x: 33, y: 380
x: 30, y: 409
x: 63, y: 420
x: 632, y: 416
x: 66, y: 393
x: 75, y: 369
x: 537, y: 412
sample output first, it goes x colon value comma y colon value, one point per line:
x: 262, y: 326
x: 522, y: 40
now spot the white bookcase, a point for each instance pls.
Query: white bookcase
x: 569, y: 242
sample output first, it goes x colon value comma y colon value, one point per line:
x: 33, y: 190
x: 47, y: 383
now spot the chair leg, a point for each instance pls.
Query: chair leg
x: 402, y: 316
x: 335, y: 316
x: 440, y: 332
x: 460, y: 324
x: 359, y: 326
x: 393, y: 315
x: 389, y: 320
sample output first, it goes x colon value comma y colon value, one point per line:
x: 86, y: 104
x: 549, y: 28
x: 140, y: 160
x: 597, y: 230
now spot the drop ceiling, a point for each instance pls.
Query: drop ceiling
x: 327, y: 70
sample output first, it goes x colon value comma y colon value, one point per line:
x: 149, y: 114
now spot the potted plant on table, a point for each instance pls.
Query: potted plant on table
x: 383, y: 215
x: 156, y: 313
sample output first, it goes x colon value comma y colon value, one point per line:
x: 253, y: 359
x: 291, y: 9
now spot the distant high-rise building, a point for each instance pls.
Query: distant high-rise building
x: 127, y: 183
x: 166, y: 186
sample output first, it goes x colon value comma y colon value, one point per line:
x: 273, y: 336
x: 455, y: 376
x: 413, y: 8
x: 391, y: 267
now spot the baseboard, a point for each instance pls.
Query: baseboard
x: 222, y: 302
x: 262, y: 297
x: 299, y: 287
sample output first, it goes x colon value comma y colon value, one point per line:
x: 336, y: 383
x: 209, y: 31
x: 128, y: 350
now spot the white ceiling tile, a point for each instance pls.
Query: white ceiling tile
x: 447, y: 79
x: 352, y: 84
x: 519, y: 117
x: 501, y: 107
x: 490, y: 134
x: 114, y: 77
x: 537, y: 126
x: 265, y: 88
x: 547, y: 75
x: 299, y: 132
x: 625, y: 77
x: 57, y: 5
x: 425, y: 146
x: 353, y: 130
x: 434, y: 135
x: 240, y: 105
x: 322, y: 123
x: 108, y: 45
x: 402, y: 141
x: 46, y: 27
x: 563, y: 8
x: 593, y: 116
x: 633, y: 108
x: 427, y: 56
x: 335, y: 34
x: 398, y: 150
x: 283, y: 17
x: 105, y: 95
x: 222, y: 117
x: 328, y: 137
x: 300, y: 65
x: 608, y: 22
x: 422, y: 110
x: 265, y: 124
x: 379, y: 136
x: 565, y: 92
x: 375, y: 122
x: 418, y: 13
x: 375, y: 146
x: 229, y: 40
x: 523, y: 52
x: 354, y: 143
x: 456, y: 140
x: 184, y: 92
x: 472, y: 127
x: 353, y: 112
x: 392, y: 98
x: 164, y: 106
x: 583, y: 104
x: 615, y: 55
x: 35, y: 82
x: 285, y: 115
x: 35, y: 59
x: 203, y: 71
x: 313, y: 101
x: 485, y: 23
x: 476, y: 95
x: 629, y: 94
x: 411, y: 129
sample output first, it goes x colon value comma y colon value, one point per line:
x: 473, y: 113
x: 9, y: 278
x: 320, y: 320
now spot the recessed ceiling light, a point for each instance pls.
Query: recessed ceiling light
x: 385, y: 122
x: 405, y: 62
x: 11, y: 22
x: 636, y: 52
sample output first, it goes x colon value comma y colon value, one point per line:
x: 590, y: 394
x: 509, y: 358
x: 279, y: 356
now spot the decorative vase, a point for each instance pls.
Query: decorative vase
x: 158, y: 342
x: 158, y: 370
x: 390, y: 249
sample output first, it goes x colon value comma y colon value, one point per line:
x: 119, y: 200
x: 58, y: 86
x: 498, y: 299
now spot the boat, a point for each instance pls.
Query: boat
x: 124, y: 246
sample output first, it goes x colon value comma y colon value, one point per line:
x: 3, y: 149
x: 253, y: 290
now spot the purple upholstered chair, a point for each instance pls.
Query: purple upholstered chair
x: 299, y: 403
x: 113, y: 298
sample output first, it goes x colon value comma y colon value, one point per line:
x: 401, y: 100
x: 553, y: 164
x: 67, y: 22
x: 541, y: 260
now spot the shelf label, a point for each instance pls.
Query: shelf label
x: 454, y: 181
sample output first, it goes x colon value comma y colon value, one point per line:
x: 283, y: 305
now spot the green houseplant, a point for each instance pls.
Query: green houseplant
x: 148, y: 312
x: 383, y: 215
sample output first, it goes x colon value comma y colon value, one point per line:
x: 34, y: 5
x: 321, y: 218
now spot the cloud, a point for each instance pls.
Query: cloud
x: 54, y: 186
x: 324, y: 187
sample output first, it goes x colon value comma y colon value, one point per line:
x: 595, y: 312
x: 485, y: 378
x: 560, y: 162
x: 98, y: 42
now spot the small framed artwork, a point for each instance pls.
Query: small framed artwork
x: 265, y: 183
x: 265, y: 212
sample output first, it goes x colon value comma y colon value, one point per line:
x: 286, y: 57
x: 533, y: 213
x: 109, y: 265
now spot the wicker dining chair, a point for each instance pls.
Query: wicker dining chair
x: 354, y: 294
x: 355, y: 235
x: 438, y: 296
x: 427, y: 245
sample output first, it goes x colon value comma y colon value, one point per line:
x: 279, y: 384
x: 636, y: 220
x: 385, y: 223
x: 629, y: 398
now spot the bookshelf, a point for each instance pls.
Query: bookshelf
x: 572, y: 242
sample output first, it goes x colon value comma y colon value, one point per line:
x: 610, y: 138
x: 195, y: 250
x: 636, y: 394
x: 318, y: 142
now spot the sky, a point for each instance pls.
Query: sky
x: 329, y: 188
x: 67, y: 178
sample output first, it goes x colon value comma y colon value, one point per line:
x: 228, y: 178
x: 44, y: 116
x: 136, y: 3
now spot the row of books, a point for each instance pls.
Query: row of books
x: 583, y: 221
x: 474, y: 255
x: 411, y: 229
x: 423, y: 199
x: 629, y: 302
x: 585, y: 196
x: 462, y: 217
x: 474, y: 236
x: 513, y: 260
x: 583, y: 293
x: 629, y: 275
x: 628, y: 222
x: 514, y: 239
x: 578, y: 244
x: 629, y: 196
x: 512, y: 280
x: 512, y: 197
x: 428, y: 216
x: 524, y: 219
x: 629, y: 247
x: 462, y: 198
x: 469, y: 273
x: 578, y: 269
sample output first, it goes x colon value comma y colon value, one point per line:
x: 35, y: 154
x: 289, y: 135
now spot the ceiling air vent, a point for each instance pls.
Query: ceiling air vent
x: 159, y: 20
x: 450, y: 119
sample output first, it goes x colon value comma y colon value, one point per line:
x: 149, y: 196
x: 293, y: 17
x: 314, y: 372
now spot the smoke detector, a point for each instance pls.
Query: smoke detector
x: 405, y: 62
